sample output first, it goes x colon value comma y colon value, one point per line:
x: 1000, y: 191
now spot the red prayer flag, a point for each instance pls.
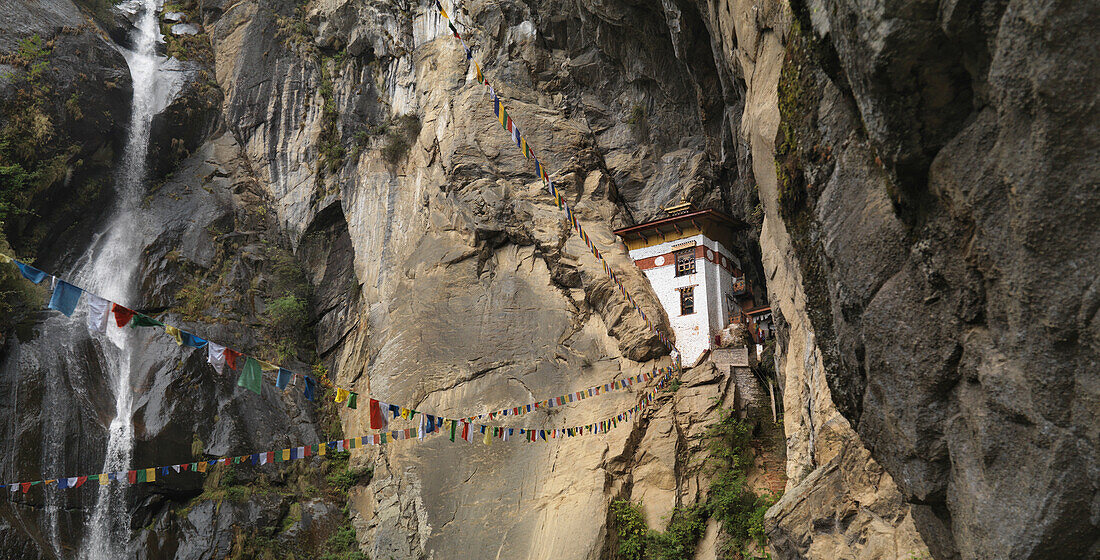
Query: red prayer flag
x: 231, y: 356
x: 131, y: 477
x: 377, y: 420
x: 122, y: 315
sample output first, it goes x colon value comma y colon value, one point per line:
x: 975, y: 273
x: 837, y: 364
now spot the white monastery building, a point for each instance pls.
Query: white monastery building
x: 688, y: 261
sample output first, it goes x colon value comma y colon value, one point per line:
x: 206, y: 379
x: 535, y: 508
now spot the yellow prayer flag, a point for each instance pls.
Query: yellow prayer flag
x: 150, y: 475
x: 174, y: 333
x: 442, y: 11
x: 488, y: 439
x: 341, y: 395
x: 286, y: 454
x: 103, y: 478
x: 202, y: 466
x: 264, y: 366
x: 406, y: 413
x: 321, y: 448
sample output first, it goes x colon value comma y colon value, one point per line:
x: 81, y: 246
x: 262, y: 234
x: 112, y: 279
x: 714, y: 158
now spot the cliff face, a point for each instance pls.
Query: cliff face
x: 912, y: 214
x: 936, y: 184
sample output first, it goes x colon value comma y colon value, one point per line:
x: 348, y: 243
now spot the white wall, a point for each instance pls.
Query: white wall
x: 695, y: 332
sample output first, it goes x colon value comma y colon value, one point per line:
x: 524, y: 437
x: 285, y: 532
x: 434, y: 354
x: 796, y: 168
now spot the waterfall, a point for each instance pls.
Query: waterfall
x: 109, y: 268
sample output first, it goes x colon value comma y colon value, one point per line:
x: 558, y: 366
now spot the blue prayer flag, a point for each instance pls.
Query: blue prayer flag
x: 65, y: 297
x: 311, y: 386
x: 192, y: 340
x: 283, y: 378
x: 31, y: 273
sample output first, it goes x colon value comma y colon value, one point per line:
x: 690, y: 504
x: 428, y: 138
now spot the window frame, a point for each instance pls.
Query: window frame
x: 687, y: 293
x: 689, y: 252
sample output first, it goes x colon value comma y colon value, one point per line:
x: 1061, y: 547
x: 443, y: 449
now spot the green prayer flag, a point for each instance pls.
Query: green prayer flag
x: 144, y: 321
x: 453, y: 426
x: 140, y: 475
x: 251, y: 376
x: 352, y: 400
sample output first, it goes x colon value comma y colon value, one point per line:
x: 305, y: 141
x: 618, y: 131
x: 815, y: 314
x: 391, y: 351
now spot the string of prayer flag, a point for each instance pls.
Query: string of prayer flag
x: 520, y: 140
x: 252, y: 370
x: 456, y: 429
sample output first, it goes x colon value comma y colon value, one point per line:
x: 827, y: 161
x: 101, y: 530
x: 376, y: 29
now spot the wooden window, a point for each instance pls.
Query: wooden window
x: 687, y: 300
x: 685, y: 262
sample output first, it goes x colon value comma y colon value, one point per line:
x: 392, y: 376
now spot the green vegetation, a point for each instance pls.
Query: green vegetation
x: 399, y: 137
x: 286, y: 316
x: 730, y: 502
x: 18, y: 298
x: 347, y: 478
x: 195, y: 47
x: 330, y: 144
x: 794, y: 112
x: 23, y: 140
x: 342, y: 545
x: 739, y: 511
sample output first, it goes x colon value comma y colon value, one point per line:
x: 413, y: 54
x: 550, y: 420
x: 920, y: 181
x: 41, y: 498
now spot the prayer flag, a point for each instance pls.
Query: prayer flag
x: 65, y: 297
x: 192, y: 340
x: 215, y: 355
x: 99, y: 310
x: 283, y: 378
x: 142, y: 320
x: 174, y: 333
x: 231, y: 356
x: 251, y: 376
x: 265, y: 366
x: 311, y: 387
x: 341, y: 395
x: 353, y: 400
x: 31, y: 273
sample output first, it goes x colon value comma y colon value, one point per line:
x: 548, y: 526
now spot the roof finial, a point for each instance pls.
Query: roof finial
x: 683, y: 207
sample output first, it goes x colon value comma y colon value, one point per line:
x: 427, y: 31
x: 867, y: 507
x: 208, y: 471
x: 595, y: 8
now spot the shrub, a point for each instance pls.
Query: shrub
x: 343, y: 545
x: 679, y: 539
x: 631, y: 529
x: 346, y: 478
x: 286, y: 314
x: 400, y: 136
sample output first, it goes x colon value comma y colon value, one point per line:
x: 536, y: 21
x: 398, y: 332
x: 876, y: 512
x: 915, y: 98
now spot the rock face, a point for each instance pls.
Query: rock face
x: 938, y: 224
x: 920, y: 228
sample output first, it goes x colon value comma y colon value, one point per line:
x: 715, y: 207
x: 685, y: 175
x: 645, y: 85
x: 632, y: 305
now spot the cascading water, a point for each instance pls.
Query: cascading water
x: 109, y: 268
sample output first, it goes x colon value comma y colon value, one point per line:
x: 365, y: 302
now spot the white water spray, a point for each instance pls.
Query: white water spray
x: 109, y: 268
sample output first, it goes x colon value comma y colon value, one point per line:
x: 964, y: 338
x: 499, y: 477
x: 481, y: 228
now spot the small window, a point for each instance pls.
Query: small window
x: 685, y: 262
x: 687, y: 300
